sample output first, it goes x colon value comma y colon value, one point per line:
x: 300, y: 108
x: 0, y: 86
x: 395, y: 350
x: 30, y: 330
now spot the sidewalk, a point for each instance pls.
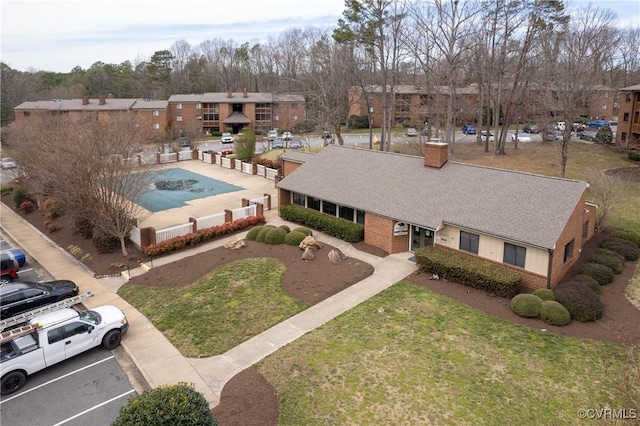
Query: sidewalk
x: 156, y: 358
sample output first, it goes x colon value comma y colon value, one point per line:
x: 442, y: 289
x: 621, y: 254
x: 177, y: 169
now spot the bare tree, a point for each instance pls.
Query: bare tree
x: 609, y: 190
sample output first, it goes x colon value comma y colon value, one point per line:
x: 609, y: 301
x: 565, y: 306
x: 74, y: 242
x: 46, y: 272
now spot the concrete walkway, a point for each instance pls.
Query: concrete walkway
x: 155, y: 357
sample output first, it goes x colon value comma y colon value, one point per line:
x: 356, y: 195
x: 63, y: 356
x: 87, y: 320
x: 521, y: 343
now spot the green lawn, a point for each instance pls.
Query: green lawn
x: 222, y: 310
x: 410, y: 356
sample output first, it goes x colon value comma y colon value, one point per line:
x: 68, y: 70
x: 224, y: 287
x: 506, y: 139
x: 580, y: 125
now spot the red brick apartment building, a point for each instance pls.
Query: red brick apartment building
x: 628, y: 133
x: 205, y: 113
x: 413, y: 105
x: 532, y: 223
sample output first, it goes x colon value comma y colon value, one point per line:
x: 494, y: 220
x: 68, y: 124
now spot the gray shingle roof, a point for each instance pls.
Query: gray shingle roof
x: 222, y: 98
x: 111, y: 104
x: 521, y: 207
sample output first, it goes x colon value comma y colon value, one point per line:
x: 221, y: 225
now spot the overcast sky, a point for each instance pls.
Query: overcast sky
x: 57, y: 35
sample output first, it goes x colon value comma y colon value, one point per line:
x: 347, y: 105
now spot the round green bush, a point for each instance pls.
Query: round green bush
x: 275, y: 236
x: 175, y: 405
x: 589, y: 282
x: 294, y: 238
x: 285, y: 227
x: 263, y: 233
x: 608, y: 258
x: 253, y: 233
x: 553, y: 313
x: 19, y: 196
x: 526, y: 305
x: 601, y: 273
x: 305, y: 231
x: 632, y: 236
x: 544, y: 294
x: 626, y: 248
x: 583, y: 304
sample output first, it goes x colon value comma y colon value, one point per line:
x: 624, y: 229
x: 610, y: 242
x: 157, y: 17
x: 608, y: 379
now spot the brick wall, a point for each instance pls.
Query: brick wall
x: 378, y: 232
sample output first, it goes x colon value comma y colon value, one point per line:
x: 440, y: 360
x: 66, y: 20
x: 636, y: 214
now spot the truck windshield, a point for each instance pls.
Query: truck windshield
x: 91, y: 316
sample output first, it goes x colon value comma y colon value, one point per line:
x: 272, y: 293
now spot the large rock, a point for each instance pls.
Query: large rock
x: 235, y: 244
x: 310, y: 242
x: 336, y: 256
x: 308, y: 254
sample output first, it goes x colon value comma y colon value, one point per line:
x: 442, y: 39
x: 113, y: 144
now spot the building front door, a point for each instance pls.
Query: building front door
x: 420, y: 237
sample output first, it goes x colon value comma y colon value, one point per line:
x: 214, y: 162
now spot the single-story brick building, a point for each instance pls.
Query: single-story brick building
x: 532, y: 223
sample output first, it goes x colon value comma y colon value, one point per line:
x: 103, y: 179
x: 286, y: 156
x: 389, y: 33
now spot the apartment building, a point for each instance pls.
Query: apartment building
x: 628, y: 132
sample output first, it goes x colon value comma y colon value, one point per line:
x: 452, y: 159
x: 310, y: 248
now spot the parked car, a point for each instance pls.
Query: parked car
x: 531, y: 128
x: 226, y: 138
x: 15, y: 254
x: 596, y: 124
x: 587, y: 135
x: 560, y: 125
x: 271, y: 135
x: 469, y: 129
x: 287, y: 136
x: 185, y: 141
x: 411, y: 132
x: 9, y: 268
x: 483, y: 136
x: 295, y: 144
x: 552, y: 135
x: 17, y: 297
x: 521, y: 137
x: 8, y: 163
x: 578, y: 127
x: 277, y: 143
x: 226, y: 151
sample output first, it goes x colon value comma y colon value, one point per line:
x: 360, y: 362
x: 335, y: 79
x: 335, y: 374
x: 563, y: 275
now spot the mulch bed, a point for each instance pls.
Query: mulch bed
x: 248, y: 399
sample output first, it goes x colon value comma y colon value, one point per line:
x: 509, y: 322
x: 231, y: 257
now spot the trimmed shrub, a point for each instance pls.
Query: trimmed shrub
x: 526, y: 305
x: 470, y: 271
x: 601, y: 273
x: 27, y: 207
x: 583, y: 304
x: 285, y: 227
x: 306, y: 231
x: 263, y: 233
x: 336, y: 227
x: 608, y: 258
x: 19, y: 196
x: 275, y: 236
x: 553, y: 313
x: 545, y: 294
x: 253, y: 233
x: 634, y: 155
x: 628, y: 249
x: 294, y: 238
x: 105, y: 243
x: 168, y: 405
x: 589, y: 281
x: 52, y: 208
x: 632, y: 236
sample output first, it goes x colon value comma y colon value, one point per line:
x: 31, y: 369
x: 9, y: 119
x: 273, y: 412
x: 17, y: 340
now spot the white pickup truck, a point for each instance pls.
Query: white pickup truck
x: 54, y: 337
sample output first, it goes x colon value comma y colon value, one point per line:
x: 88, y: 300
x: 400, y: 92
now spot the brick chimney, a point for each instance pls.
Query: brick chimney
x: 229, y: 94
x: 435, y: 154
x: 85, y: 100
x: 102, y: 100
x: 244, y: 93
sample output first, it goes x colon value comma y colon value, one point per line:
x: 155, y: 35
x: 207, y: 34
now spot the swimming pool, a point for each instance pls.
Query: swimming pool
x: 171, y: 188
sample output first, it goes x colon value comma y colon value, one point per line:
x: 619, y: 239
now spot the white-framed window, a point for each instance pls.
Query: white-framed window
x: 178, y: 118
x: 178, y: 106
x: 276, y: 117
x: 198, y: 117
x: 604, y: 107
x: 156, y: 112
x: 156, y: 126
x: 198, y: 105
x: 295, y: 117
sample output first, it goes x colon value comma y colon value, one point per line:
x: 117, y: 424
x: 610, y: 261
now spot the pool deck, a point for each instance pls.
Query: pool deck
x: 255, y: 187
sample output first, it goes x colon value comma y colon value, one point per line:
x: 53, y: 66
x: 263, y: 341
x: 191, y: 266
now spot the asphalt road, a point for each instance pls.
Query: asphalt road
x: 88, y: 389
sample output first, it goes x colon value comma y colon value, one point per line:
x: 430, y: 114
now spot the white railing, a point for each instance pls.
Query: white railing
x: 261, y: 200
x: 225, y: 162
x: 244, y: 212
x: 271, y: 173
x: 247, y: 168
x: 260, y: 169
x: 184, y: 155
x: 169, y: 158
x: 174, y: 231
x: 211, y: 220
x: 134, y: 236
x: 218, y: 159
x: 238, y: 165
x: 206, y: 157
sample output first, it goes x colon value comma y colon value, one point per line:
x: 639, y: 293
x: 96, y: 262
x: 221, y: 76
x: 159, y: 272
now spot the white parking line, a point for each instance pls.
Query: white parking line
x: 94, y: 407
x: 56, y: 379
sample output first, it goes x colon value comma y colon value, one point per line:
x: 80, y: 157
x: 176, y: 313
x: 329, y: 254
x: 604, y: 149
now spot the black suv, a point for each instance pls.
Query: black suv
x: 18, y: 297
